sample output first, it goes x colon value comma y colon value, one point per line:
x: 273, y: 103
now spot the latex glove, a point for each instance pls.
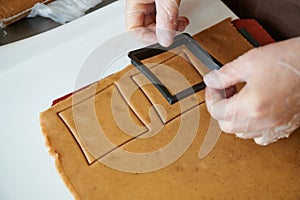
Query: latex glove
x: 267, y: 108
x: 154, y: 20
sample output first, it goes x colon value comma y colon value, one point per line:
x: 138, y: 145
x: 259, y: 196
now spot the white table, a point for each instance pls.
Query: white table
x: 37, y: 70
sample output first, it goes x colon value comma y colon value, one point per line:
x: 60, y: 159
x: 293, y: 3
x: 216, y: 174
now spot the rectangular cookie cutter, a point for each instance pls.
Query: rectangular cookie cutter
x: 185, y: 39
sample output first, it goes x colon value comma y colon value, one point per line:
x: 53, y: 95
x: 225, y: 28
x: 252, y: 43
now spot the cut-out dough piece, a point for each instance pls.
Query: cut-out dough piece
x: 92, y: 122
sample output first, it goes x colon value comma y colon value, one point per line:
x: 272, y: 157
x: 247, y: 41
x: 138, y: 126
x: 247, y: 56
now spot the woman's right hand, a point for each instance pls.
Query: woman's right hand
x: 154, y: 20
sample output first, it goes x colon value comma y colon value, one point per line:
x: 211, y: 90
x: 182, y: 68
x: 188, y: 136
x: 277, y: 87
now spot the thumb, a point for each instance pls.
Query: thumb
x: 229, y: 75
x: 166, y: 20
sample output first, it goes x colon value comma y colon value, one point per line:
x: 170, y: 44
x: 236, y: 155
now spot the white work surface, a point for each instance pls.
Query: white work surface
x: 37, y: 70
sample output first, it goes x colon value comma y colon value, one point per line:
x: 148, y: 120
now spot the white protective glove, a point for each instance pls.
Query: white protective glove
x: 154, y: 20
x: 267, y: 108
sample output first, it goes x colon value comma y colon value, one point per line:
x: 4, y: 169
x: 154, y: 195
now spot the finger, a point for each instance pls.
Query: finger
x: 166, y: 20
x: 134, y: 20
x: 229, y: 75
x: 229, y: 92
x: 273, y: 134
x: 266, y: 138
x: 149, y: 21
x: 239, y: 104
x: 248, y: 135
x: 140, y: 17
x: 213, y: 96
x: 262, y: 141
x: 135, y: 12
x: 244, y: 128
x: 182, y: 23
x: 237, y: 107
x: 145, y: 35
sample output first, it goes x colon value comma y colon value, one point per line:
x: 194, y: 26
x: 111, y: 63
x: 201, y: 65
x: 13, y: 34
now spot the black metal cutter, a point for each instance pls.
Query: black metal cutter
x: 182, y: 39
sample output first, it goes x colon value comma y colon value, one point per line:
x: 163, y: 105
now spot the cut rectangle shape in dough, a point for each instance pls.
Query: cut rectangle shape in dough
x: 91, y: 121
x: 177, y: 73
x: 138, y: 102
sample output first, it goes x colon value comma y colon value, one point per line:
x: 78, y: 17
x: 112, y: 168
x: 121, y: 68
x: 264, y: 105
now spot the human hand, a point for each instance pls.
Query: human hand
x: 154, y: 20
x: 267, y: 108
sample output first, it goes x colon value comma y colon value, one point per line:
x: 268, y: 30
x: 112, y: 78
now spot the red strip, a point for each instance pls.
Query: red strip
x: 255, y: 29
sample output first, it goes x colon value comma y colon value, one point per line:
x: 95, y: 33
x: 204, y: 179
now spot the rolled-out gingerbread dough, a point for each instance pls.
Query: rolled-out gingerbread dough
x: 87, y: 136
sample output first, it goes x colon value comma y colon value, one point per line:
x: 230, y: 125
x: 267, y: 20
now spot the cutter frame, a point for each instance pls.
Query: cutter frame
x: 185, y: 39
